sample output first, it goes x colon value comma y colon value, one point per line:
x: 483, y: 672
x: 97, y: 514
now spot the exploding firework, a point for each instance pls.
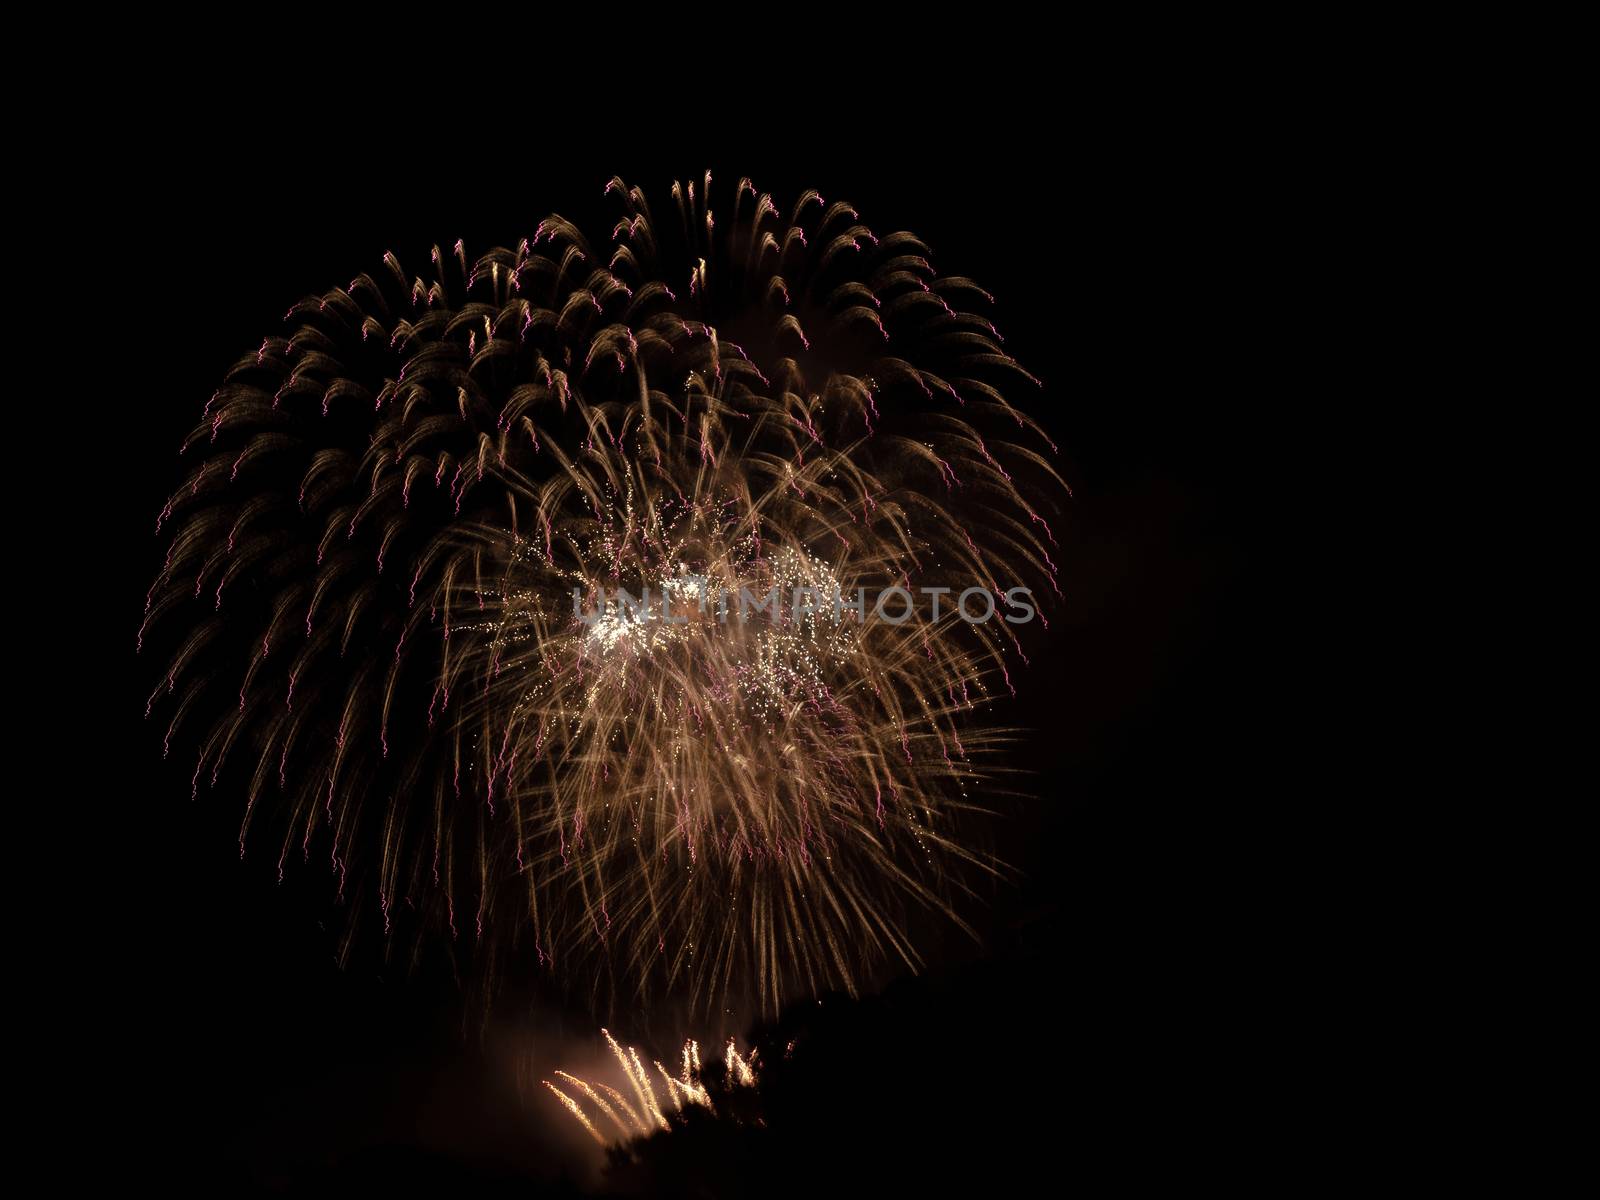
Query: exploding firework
x: 648, y: 1110
x: 381, y: 594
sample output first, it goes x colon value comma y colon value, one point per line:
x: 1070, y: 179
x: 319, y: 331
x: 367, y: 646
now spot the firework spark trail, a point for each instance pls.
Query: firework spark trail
x: 370, y: 578
x: 600, y: 1103
x: 740, y: 1070
x: 621, y: 1102
x: 572, y: 1107
x: 634, y: 1070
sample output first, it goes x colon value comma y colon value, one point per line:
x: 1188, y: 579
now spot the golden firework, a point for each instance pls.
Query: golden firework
x: 408, y: 570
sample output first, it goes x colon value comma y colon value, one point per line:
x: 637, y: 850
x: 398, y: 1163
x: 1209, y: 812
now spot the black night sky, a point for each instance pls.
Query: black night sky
x: 1096, y: 1024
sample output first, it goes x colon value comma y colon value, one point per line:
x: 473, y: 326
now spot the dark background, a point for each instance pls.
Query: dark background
x: 1128, y: 971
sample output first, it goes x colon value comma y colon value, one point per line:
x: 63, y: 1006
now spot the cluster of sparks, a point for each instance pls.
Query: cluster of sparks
x: 368, y: 592
x: 647, y: 1112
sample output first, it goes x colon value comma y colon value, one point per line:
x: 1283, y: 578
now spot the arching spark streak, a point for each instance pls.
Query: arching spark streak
x: 571, y: 1106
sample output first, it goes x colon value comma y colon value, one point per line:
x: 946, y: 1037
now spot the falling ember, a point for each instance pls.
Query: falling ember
x: 374, y: 599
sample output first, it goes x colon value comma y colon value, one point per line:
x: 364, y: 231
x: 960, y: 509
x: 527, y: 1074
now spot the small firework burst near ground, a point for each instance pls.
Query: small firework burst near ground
x: 595, y: 1104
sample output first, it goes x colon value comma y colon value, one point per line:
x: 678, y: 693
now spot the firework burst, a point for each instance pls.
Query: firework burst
x: 381, y: 594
